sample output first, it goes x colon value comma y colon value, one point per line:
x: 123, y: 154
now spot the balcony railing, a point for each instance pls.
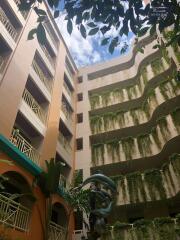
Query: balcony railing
x: 2, y: 63
x: 66, y: 112
x: 43, y: 78
x: 67, y: 89
x: 23, y: 12
x: 69, y: 71
x: 31, y: 102
x: 14, y: 214
x: 51, y: 60
x: 65, y: 143
x: 57, y: 232
x: 7, y: 24
x: 24, y: 146
x: 51, y: 36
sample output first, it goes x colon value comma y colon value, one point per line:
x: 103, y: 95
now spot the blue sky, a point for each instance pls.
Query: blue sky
x: 88, y: 51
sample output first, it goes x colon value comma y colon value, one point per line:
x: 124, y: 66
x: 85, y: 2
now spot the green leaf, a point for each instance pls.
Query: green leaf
x: 104, y: 41
x: 31, y: 34
x: 56, y: 14
x: 92, y: 25
x: 93, y: 31
x: 83, y: 30
x: 41, y: 34
x: 40, y: 11
x: 69, y: 26
x: 153, y: 30
x: 113, y: 44
x: 143, y: 31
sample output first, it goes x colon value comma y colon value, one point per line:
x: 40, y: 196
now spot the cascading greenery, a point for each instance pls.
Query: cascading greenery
x: 96, y: 124
x: 120, y: 118
x: 157, y: 66
x: 97, y: 153
x: 165, y: 55
x: 135, y: 115
x: 162, y: 228
x: 128, y: 147
x: 135, y: 183
x: 155, y: 136
x: 153, y: 179
x: 131, y: 92
x: 163, y: 125
x: 175, y: 114
x: 144, y: 144
x: 113, y: 149
x: 144, y: 75
x: 94, y: 101
x: 167, y: 174
x: 109, y: 120
x: 164, y: 89
x: 106, y: 97
x: 118, y: 94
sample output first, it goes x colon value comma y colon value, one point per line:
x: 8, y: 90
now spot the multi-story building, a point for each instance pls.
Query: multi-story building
x: 128, y: 128
x: 37, y: 105
x: 120, y: 117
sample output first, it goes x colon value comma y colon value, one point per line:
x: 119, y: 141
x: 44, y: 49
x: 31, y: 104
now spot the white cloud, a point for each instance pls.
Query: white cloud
x: 81, y: 49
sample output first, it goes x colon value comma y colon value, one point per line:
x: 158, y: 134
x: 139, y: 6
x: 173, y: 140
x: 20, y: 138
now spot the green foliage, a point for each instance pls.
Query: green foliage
x: 163, y: 125
x: 97, y: 151
x: 96, y: 124
x: 135, y: 115
x: 144, y: 75
x: 128, y: 147
x: 165, y: 55
x: 154, y: 133
x: 153, y: 179
x: 94, y: 101
x: 109, y: 120
x: 120, y: 118
x: 113, y: 149
x: 176, y: 118
x: 144, y: 144
x: 157, y: 66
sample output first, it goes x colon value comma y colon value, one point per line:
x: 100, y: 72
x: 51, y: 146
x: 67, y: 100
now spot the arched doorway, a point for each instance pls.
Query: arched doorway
x: 59, y: 215
x: 16, y: 200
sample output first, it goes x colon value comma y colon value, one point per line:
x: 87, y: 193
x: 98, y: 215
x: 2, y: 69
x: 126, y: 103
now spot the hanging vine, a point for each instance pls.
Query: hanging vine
x: 135, y: 115
x: 109, y: 120
x: 155, y: 136
x: 94, y: 101
x: 120, y: 118
x: 96, y: 124
x: 97, y: 152
x: 175, y: 114
x: 128, y: 147
x: 144, y: 144
x: 106, y: 97
x: 163, y: 125
x: 144, y: 75
x: 113, y: 149
x: 157, y: 66
x: 153, y: 179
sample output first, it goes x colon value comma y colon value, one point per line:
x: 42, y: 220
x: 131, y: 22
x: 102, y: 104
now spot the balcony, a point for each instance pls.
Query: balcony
x: 51, y: 60
x: 57, y: 232
x: 7, y: 24
x: 2, y: 63
x: 67, y: 89
x: 65, y: 143
x: 13, y: 214
x: 23, y: 12
x: 24, y: 146
x: 66, y: 111
x: 34, y: 105
x: 47, y: 82
x: 64, y: 149
x: 55, y: 41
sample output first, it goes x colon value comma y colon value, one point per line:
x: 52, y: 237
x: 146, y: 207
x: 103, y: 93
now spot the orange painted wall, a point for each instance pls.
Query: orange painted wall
x: 38, y: 209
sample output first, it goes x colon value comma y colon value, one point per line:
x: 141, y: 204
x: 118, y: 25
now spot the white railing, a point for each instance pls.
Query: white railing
x: 7, y: 24
x: 65, y: 143
x: 66, y: 112
x: 69, y: 71
x: 2, y: 63
x: 24, y: 146
x: 57, y: 232
x: 35, y: 107
x: 67, y: 89
x: 51, y: 36
x: 23, y: 12
x: 51, y: 60
x: 14, y: 214
x: 47, y: 82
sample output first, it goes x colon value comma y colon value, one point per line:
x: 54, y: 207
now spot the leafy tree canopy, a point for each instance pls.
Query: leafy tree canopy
x: 100, y: 16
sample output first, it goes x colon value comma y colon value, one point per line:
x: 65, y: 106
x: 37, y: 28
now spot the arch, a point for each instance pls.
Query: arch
x: 17, y: 184
x: 59, y: 214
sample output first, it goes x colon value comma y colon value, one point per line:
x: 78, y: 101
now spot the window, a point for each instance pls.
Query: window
x: 80, y: 79
x: 79, y: 118
x: 79, y: 144
x: 79, y: 97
